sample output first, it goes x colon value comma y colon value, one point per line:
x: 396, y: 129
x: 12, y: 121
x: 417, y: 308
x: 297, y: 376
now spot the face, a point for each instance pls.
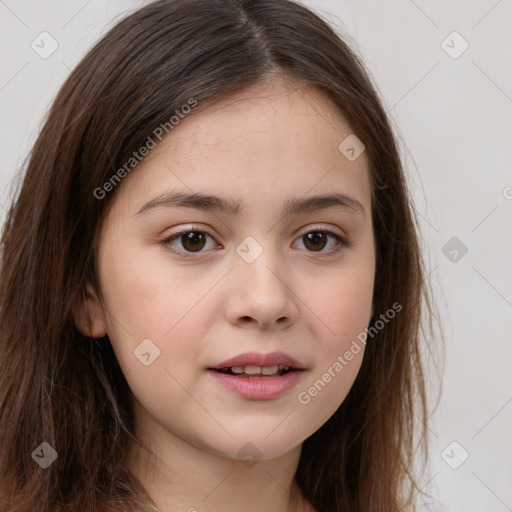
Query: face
x: 187, y: 287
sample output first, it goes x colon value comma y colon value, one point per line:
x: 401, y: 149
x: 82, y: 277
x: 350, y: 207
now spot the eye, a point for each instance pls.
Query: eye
x: 316, y: 240
x: 193, y: 241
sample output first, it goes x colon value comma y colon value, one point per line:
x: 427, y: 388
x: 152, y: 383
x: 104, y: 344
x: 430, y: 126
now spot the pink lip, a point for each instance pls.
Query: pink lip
x: 257, y: 359
x: 258, y: 388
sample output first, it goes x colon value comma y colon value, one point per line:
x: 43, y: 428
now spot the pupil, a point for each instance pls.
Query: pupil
x: 192, y: 239
x: 314, y: 237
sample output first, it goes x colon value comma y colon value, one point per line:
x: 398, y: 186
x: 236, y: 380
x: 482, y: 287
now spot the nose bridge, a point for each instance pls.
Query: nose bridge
x: 259, y: 264
x: 260, y: 289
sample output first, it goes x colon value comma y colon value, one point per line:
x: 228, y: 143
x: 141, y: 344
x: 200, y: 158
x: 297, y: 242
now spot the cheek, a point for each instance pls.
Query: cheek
x: 343, y: 306
x: 322, y: 395
x: 152, y: 320
x: 151, y: 297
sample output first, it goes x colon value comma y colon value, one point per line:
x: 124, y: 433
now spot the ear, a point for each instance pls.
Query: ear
x: 88, y: 313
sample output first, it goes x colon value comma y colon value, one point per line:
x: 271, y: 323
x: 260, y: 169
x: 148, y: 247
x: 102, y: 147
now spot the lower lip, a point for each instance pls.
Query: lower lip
x: 259, y: 388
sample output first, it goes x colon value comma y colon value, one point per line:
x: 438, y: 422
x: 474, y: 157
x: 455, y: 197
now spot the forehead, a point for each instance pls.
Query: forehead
x: 277, y: 108
x: 280, y: 139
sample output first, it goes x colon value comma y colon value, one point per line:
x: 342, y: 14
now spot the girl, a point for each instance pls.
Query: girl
x: 212, y: 283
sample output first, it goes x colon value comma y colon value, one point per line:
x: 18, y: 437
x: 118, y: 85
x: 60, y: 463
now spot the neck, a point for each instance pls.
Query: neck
x: 182, y: 477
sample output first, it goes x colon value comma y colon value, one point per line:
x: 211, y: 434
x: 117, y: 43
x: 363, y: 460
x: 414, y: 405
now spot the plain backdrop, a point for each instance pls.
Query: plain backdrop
x: 444, y: 71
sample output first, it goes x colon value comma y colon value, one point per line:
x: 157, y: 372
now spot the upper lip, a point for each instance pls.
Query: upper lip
x: 257, y: 359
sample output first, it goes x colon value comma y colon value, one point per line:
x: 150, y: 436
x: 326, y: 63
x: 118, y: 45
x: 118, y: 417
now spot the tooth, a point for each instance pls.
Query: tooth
x: 269, y: 370
x: 253, y: 370
x: 257, y: 370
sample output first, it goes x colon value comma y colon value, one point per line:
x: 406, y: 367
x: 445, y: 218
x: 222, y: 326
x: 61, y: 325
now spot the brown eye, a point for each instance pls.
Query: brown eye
x: 191, y: 242
x: 194, y: 241
x: 315, y: 241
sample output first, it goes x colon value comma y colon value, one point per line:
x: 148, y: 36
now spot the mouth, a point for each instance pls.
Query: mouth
x: 256, y: 372
x: 257, y: 365
x: 257, y: 386
x: 255, y: 376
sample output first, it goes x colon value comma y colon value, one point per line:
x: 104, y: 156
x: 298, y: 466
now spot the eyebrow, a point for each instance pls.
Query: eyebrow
x: 210, y: 203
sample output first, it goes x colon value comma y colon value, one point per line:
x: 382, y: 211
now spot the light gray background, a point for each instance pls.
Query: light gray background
x: 455, y: 118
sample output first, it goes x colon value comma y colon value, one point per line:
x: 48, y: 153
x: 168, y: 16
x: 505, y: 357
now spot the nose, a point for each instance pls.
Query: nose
x: 260, y: 294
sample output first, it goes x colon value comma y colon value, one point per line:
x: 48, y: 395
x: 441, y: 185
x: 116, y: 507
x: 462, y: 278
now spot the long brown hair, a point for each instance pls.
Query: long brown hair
x: 61, y: 388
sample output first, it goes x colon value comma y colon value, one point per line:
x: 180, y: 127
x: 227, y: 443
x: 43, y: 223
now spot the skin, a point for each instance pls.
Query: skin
x: 309, y: 301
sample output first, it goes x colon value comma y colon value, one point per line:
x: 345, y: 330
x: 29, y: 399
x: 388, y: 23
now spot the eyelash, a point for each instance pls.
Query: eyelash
x: 342, y: 241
